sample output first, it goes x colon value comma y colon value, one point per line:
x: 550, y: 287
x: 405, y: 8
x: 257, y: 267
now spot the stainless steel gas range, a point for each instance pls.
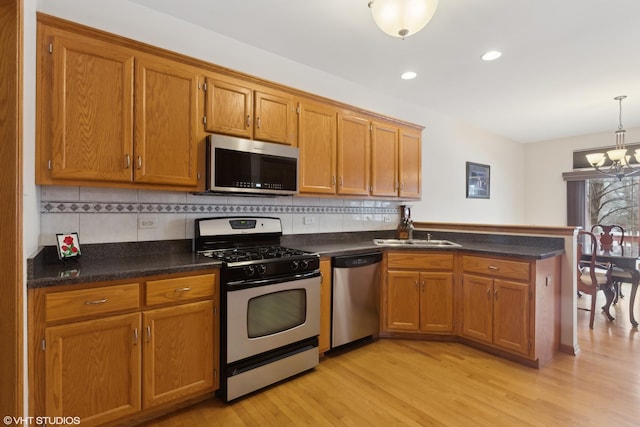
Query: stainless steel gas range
x: 270, y: 299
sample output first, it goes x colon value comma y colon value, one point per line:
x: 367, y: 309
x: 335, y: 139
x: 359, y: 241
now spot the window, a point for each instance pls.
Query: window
x: 610, y: 201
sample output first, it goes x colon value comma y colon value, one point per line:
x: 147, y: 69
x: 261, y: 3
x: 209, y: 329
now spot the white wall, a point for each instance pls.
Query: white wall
x: 447, y: 144
x: 546, y: 195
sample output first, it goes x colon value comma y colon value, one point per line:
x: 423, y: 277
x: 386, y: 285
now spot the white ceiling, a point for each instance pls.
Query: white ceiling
x: 563, y: 60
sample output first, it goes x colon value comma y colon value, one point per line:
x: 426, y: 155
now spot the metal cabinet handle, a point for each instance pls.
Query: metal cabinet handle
x: 248, y: 121
x: 185, y: 289
x: 258, y: 122
x: 127, y: 161
x: 495, y: 294
x: 135, y: 336
x: 148, y: 333
x: 341, y: 181
x: 423, y: 286
x: 98, y: 301
x: 489, y: 293
x: 139, y: 162
x: 333, y: 180
x: 493, y: 267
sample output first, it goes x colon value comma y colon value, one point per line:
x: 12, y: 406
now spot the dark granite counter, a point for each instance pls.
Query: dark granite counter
x: 115, y: 261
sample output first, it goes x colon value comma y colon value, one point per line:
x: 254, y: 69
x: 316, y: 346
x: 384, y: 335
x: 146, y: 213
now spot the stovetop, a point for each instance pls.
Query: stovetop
x: 240, y: 254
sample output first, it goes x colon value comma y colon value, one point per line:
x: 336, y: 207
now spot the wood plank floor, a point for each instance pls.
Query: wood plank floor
x: 412, y: 383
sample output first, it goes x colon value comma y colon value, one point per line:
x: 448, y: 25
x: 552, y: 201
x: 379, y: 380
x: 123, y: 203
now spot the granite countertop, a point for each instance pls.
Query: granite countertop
x: 116, y: 261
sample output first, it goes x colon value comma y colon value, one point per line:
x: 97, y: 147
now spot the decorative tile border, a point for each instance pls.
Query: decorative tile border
x: 47, y: 207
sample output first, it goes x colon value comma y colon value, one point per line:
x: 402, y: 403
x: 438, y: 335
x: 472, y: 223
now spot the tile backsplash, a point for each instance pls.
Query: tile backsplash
x: 105, y: 215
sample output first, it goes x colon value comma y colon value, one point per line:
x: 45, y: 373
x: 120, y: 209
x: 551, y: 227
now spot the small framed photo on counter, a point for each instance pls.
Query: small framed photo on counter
x: 478, y: 181
x: 68, y: 246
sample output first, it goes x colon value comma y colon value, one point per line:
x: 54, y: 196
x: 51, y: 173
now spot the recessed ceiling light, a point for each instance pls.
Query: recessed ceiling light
x: 491, y: 55
x: 408, y: 75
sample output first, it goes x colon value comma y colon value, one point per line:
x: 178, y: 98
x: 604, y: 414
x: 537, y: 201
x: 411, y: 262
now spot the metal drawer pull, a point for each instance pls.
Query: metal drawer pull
x: 493, y: 267
x: 186, y: 289
x: 98, y: 301
x: 135, y: 335
x: 148, y: 333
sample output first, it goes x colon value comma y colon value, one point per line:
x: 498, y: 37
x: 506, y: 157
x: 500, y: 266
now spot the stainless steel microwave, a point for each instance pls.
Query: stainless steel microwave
x: 251, y: 167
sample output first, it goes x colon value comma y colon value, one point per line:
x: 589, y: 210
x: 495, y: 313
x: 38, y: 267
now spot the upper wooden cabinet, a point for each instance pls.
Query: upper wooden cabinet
x: 111, y: 114
x: 354, y: 155
x: 317, y: 143
x: 235, y: 108
x: 409, y: 163
x: 166, y: 125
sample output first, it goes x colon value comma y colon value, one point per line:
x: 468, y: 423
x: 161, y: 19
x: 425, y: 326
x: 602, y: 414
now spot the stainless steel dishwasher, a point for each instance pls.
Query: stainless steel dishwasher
x: 356, y: 297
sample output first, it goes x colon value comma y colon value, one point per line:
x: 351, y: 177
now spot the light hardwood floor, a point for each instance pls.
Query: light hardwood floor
x: 412, y: 383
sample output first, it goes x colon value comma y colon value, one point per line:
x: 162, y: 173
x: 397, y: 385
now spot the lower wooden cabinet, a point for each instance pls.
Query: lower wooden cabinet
x: 419, y: 293
x: 324, y: 340
x: 93, y: 369
x: 119, y: 357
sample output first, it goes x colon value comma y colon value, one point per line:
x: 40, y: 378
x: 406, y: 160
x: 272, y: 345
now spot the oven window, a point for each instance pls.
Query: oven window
x: 276, y: 312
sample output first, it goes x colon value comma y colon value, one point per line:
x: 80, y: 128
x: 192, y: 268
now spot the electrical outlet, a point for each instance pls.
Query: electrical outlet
x: 147, y: 222
x: 386, y: 218
x: 308, y: 220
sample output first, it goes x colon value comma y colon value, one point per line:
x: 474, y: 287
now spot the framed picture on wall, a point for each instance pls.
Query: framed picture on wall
x: 478, y: 181
x: 68, y: 246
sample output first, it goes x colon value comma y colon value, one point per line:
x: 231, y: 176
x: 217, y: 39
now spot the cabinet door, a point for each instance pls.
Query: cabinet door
x: 228, y: 108
x: 511, y: 315
x: 410, y: 162
x: 275, y: 118
x: 403, y: 300
x: 167, y: 122
x: 384, y: 160
x: 354, y: 155
x: 436, y: 302
x: 91, y: 113
x: 477, y: 311
x: 325, y: 306
x: 178, y: 351
x: 93, y: 369
x: 317, y: 144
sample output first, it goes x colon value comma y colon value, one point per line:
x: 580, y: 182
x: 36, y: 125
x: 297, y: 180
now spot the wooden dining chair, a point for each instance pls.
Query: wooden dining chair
x: 607, y: 238
x: 593, y: 276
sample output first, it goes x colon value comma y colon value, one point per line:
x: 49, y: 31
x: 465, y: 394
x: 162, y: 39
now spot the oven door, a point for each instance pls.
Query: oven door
x: 272, y: 315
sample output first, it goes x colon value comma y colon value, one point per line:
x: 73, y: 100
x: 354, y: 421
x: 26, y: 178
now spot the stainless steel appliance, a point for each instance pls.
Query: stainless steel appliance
x: 251, y: 167
x: 356, y: 297
x: 270, y: 299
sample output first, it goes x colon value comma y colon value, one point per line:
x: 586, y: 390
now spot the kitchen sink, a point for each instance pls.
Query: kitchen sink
x: 418, y: 243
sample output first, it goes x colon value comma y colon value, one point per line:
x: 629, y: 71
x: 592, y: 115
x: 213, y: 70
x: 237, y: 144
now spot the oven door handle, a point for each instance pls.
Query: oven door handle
x: 252, y: 283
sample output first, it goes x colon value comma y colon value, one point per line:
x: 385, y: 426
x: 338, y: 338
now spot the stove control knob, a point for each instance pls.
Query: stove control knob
x: 305, y: 263
x: 295, y: 264
x: 262, y: 269
x: 249, y: 270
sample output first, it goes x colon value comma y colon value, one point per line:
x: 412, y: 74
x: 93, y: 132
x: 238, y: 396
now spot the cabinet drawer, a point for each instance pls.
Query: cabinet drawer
x: 180, y: 289
x: 89, y: 302
x: 417, y: 260
x: 496, y: 267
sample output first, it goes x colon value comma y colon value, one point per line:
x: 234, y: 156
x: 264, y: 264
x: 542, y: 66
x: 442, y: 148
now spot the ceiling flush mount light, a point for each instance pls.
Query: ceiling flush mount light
x: 492, y: 55
x: 402, y: 18
x: 408, y: 75
x: 619, y: 166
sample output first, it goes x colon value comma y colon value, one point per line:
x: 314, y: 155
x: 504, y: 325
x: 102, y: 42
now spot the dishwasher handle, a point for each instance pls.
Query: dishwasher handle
x: 357, y: 260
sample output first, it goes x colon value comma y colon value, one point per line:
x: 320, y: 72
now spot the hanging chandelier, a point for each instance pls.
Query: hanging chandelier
x: 402, y: 18
x: 619, y: 167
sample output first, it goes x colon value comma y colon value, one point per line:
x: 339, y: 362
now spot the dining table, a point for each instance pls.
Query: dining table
x: 625, y: 257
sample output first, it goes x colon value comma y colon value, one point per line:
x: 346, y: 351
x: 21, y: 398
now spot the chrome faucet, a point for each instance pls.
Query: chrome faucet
x: 428, y: 237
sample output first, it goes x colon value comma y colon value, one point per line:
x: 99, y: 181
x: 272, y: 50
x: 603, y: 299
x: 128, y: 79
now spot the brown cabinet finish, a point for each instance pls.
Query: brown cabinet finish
x: 235, y: 108
x: 410, y: 163
x: 166, y: 125
x: 324, y: 340
x: 354, y: 155
x: 109, y: 115
x: 110, y: 350
x: 420, y: 292
x: 384, y: 160
x: 104, y: 383
x: 178, y: 352
x: 317, y: 144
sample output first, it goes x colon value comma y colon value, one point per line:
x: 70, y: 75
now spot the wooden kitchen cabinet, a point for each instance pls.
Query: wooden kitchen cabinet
x: 317, y: 141
x: 419, y: 292
x: 123, y: 349
x: 178, y: 352
x: 324, y: 340
x: 112, y: 115
x: 384, y: 160
x: 511, y: 304
x: 234, y: 107
x: 93, y: 369
x: 410, y: 163
x: 354, y: 155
